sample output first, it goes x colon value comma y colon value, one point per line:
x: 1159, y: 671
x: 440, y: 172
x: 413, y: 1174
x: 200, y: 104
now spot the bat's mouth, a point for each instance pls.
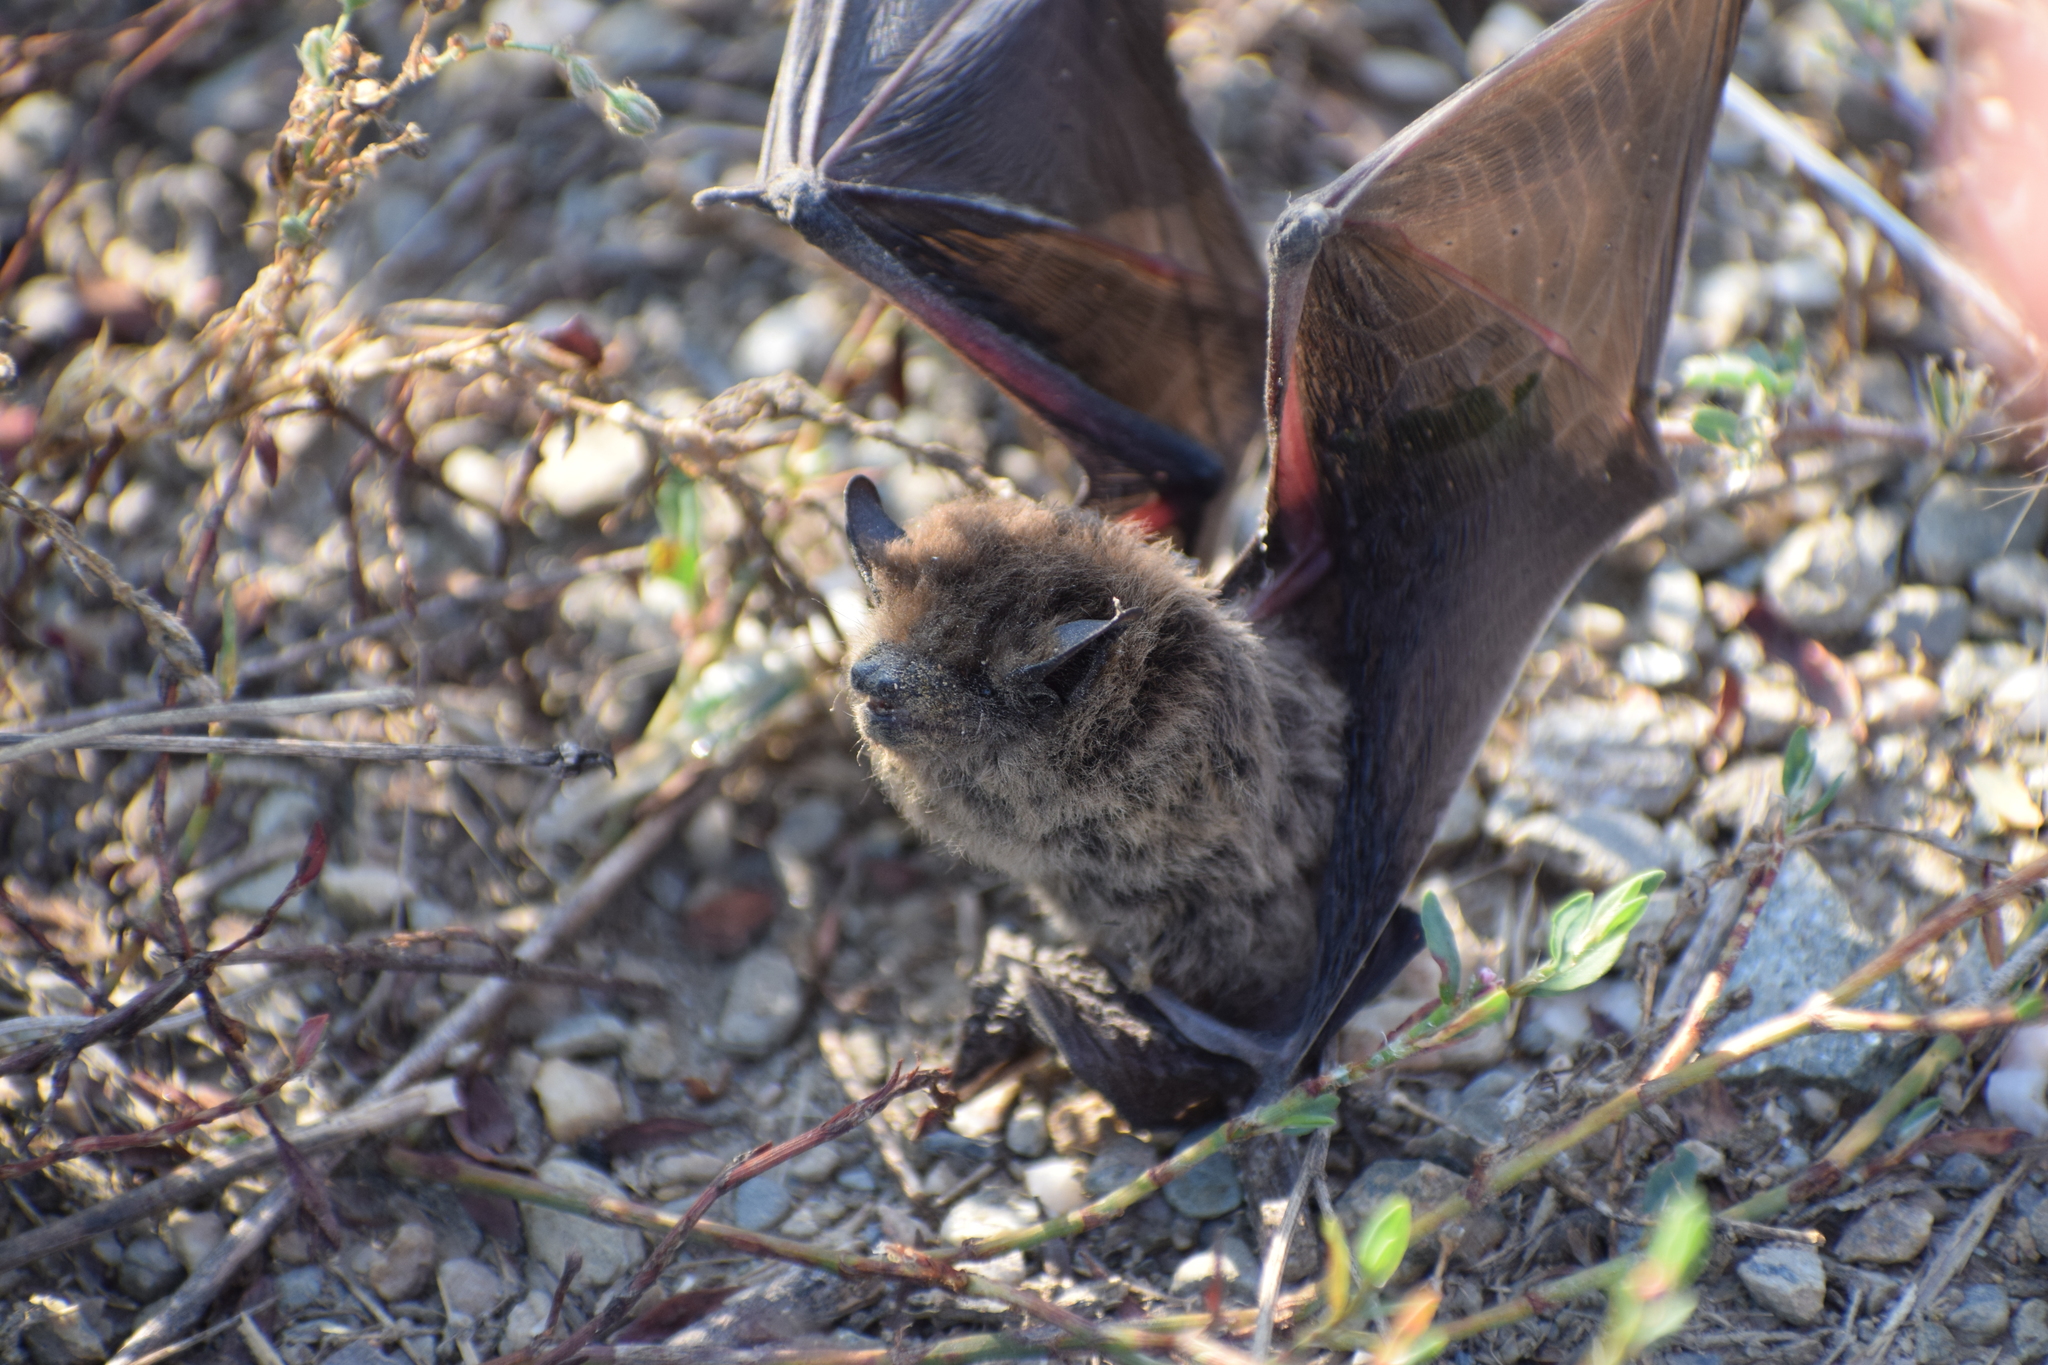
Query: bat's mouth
x: 883, y: 721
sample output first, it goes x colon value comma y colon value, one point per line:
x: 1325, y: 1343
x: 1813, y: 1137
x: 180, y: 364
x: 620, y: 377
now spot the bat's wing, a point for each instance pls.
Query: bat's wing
x: 1021, y: 177
x: 1466, y: 328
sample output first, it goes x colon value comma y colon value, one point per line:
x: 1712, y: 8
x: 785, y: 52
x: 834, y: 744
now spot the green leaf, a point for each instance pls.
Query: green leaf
x: 1912, y: 1125
x: 1383, y: 1240
x: 1307, y: 1115
x: 1821, y: 802
x: 1717, y: 425
x: 1662, y: 1316
x: 1443, y: 945
x: 679, y: 514
x: 1336, y: 1271
x: 1587, y: 944
x: 1798, y: 770
x: 1668, y: 1178
x: 1679, y: 1241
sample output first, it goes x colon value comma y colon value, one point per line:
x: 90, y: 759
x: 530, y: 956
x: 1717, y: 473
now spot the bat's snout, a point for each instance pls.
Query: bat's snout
x: 884, y: 679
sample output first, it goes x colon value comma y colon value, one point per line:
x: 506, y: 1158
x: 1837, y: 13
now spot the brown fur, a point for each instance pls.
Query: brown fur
x: 1177, y: 812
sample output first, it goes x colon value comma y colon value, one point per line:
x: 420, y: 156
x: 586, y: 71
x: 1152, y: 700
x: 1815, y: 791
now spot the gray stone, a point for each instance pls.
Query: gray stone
x: 1598, y: 845
x: 1192, y: 1277
x: 1648, y: 663
x: 524, y: 1321
x: 1890, y: 1233
x: 1933, y: 1344
x: 575, y: 1100
x: 1584, y: 753
x: 1208, y: 1191
x: 1982, y: 1315
x: 149, y: 1270
x: 1788, y: 1280
x: 1487, y: 1103
x: 763, y: 1006
x: 2030, y: 1330
x: 281, y: 811
x: 1673, y: 606
x: 253, y: 895
x: 1026, y: 1134
x: 1121, y: 1160
x: 2014, y: 585
x: 987, y: 1213
x: 1825, y: 576
x: 192, y: 1235
x: 1806, y: 935
x: 761, y: 1203
x: 1931, y: 620
x: 651, y: 1052
x: 1964, y: 1171
x: 364, y: 894
x: 62, y: 1330
x: 808, y: 828
x: 300, y: 1289
x: 593, y: 1034
x: 608, y: 1252
x: 1961, y: 522
x: 468, y: 1286
x: 1974, y: 671
x: 2037, y: 1223
x: 403, y: 1266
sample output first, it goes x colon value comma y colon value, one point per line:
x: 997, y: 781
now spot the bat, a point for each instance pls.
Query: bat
x: 1225, y: 789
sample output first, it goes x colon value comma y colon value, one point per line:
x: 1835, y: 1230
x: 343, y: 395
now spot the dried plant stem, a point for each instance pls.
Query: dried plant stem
x: 169, y: 636
x: 599, y: 888
x: 1855, y: 443
x: 1685, y: 1039
x: 1821, y: 166
x: 203, y: 1176
x: 567, y: 756
x: 13, y: 747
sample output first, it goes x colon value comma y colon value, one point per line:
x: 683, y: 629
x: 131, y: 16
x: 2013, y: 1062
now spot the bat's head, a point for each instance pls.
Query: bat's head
x: 1004, y: 631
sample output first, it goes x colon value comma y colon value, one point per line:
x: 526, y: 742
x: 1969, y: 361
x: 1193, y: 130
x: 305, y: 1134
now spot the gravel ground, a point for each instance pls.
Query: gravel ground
x: 1860, y: 556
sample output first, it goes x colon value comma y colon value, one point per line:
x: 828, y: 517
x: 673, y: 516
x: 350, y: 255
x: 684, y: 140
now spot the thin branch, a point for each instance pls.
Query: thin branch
x: 567, y: 758
x: 1755, y: 112
x: 170, y: 638
x: 14, y: 747
x: 1685, y: 1038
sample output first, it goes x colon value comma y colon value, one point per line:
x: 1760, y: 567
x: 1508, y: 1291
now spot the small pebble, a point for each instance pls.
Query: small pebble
x: 1788, y: 1280
x: 2014, y: 585
x: 524, y: 1322
x: 761, y: 1203
x: 365, y: 895
x: 986, y: 1213
x: 468, y: 1286
x: 575, y: 1100
x: 818, y: 1163
x: 1961, y: 522
x: 2030, y: 1330
x: 1916, y: 616
x: 1026, y: 1134
x: 402, y: 1267
x: 1208, y: 1191
x: 808, y: 828
x: 300, y: 1289
x: 1121, y: 1160
x: 608, y: 1252
x: 1819, y: 1105
x: 651, y: 1053
x: 583, y: 1035
x: 1192, y: 1277
x: 193, y: 1235
x: 1827, y: 575
x: 149, y: 1270
x: 1933, y: 1344
x: 1055, y: 1183
x: 1890, y: 1233
x: 62, y: 1332
x: 1964, y: 1171
x: 859, y: 1179
x: 1982, y: 1315
x: 763, y: 1006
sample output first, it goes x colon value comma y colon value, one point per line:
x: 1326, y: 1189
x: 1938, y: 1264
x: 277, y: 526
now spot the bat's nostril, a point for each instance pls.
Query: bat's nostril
x: 875, y: 676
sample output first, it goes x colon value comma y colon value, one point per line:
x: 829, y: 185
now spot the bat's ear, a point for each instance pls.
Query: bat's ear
x: 868, y: 527
x: 1083, y: 645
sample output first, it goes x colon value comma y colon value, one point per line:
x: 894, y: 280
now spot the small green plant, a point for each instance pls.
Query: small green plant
x: 1654, y: 1298
x: 1587, y: 934
x: 1806, y: 798
x: 1758, y: 379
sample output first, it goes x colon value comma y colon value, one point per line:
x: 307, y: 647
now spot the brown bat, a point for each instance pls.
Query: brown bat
x: 1226, y: 789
